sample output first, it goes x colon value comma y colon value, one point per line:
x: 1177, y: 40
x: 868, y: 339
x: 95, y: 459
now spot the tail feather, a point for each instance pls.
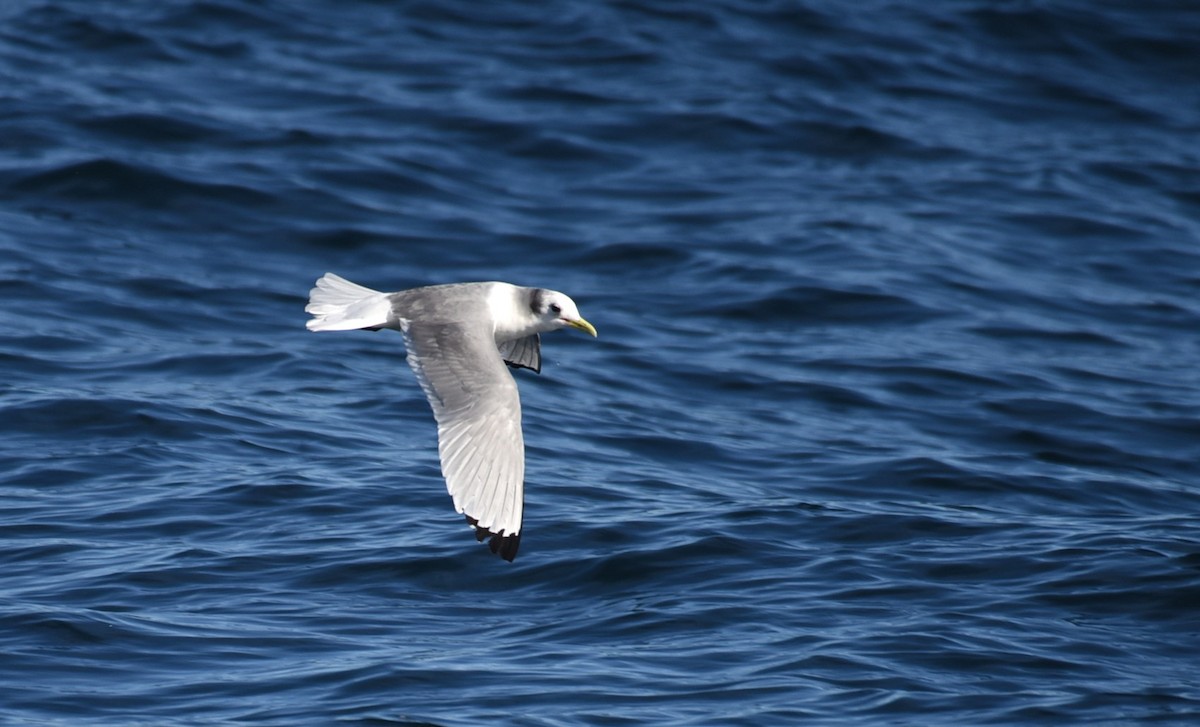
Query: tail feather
x: 336, y: 304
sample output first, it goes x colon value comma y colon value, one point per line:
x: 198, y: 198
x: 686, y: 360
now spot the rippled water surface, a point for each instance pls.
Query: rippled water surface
x: 894, y: 416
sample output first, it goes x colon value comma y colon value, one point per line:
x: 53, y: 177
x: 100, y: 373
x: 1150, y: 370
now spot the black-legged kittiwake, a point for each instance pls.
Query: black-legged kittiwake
x: 459, y: 338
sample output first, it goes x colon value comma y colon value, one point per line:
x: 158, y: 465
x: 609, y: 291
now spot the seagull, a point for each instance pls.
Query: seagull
x: 459, y: 337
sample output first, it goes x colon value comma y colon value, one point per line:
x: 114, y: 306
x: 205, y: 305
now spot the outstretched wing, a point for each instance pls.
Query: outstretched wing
x: 478, y: 412
x: 523, y: 353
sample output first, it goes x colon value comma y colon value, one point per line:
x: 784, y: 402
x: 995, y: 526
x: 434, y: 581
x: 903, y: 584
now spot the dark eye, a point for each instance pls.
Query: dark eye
x: 555, y: 308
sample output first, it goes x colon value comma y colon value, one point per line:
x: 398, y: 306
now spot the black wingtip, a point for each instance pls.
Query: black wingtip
x: 512, y: 365
x: 505, y: 546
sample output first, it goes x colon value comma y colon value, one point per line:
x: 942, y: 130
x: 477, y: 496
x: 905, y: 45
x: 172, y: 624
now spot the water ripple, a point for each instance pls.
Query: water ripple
x: 891, y: 418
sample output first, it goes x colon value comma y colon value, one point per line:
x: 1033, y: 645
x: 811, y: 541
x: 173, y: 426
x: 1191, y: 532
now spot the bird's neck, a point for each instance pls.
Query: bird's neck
x: 511, y: 316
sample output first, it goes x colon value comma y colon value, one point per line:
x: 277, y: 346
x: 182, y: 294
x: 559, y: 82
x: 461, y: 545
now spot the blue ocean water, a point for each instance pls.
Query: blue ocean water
x: 894, y: 415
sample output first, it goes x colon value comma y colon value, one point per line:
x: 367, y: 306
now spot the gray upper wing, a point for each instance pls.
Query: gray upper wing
x: 478, y: 411
x: 523, y: 353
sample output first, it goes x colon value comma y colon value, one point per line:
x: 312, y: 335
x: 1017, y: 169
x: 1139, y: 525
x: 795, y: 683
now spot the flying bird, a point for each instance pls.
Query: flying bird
x: 459, y: 337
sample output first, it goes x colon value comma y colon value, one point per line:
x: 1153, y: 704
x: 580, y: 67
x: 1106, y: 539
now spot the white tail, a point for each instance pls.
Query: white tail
x: 336, y: 304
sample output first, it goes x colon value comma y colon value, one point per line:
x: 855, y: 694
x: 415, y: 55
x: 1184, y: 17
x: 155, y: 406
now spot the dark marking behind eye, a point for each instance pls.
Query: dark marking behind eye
x: 536, y: 296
